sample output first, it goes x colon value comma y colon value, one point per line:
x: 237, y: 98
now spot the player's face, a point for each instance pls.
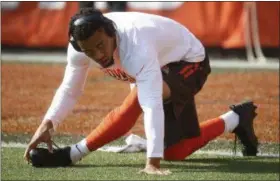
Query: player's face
x: 99, y: 47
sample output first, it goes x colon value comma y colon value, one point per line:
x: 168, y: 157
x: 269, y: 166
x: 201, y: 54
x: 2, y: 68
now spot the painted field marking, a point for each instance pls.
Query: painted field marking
x: 199, y: 152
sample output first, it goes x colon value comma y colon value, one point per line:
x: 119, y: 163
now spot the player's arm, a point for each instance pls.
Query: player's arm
x: 146, y: 69
x: 70, y: 89
x: 64, y: 100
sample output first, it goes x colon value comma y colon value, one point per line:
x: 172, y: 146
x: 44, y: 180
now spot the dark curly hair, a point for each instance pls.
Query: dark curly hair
x: 82, y: 29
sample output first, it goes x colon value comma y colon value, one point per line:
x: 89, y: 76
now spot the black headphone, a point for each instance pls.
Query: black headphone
x: 108, y: 27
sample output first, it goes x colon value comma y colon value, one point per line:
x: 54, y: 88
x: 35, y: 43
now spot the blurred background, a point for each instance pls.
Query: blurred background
x: 241, y: 30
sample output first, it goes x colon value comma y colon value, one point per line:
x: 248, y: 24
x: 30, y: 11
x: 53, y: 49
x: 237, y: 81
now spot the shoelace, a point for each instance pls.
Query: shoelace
x: 55, y: 145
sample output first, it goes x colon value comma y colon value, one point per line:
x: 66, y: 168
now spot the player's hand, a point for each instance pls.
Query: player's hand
x: 155, y: 171
x: 153, y: 167
x: 42, y: 134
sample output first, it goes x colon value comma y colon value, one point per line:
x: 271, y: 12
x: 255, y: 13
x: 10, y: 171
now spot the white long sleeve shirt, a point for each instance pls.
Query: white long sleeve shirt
x: 145, y: 43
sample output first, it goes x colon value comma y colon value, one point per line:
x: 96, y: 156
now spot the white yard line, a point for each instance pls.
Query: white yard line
x: 13, y: 145
x: 34, y: 57
x: 199, y: 152
x: 272, y: 63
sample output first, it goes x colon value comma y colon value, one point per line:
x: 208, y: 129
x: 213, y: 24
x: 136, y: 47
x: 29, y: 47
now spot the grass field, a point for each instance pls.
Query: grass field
x: 116, y: 166
x: 27, y: 90
x: 123, y: 166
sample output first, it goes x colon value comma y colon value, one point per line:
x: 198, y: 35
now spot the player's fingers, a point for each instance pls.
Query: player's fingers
x: 155, y: 172
x: 30, y: 146
x: 26, y: 154
x: 49, y: 144
x: 166, y: 172
x: 143, y: 171
x: 158, y: 172
x: 33, y: 144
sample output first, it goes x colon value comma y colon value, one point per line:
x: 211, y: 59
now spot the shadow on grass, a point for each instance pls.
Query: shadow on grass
x: 233, y: 165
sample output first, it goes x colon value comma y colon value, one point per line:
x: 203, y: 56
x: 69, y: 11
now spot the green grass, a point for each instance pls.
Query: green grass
x: 117, y: 166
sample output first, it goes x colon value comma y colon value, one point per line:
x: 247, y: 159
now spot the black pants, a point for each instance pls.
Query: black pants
x: 185, y: 80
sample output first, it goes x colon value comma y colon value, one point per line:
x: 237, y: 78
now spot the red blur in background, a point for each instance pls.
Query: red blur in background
x: 218, y: 24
